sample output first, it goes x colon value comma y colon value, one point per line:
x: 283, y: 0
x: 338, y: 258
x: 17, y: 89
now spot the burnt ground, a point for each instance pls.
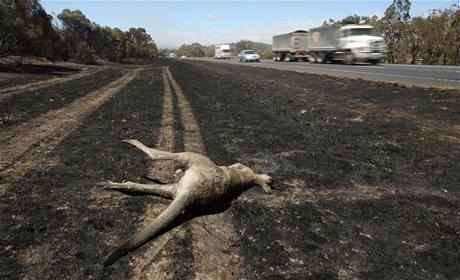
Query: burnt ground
x: 25, y: 106
x: 12, y: 75
x: 367, y: 177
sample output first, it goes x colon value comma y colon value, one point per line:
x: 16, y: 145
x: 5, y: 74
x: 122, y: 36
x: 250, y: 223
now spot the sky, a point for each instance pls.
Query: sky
x: 173, y: 23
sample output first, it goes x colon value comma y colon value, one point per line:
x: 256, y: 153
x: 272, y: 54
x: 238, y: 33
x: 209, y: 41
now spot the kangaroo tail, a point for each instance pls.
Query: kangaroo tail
x: 149, y: 232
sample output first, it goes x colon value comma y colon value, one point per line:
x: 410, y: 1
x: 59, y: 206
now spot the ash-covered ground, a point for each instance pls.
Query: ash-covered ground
x: 367, y: 176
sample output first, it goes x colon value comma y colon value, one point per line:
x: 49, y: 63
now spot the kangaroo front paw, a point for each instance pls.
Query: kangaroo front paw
x: 178, y: 174
x: 108, y: 185
x: 267, y: 188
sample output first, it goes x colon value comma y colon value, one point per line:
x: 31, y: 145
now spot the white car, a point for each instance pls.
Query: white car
x: 248, y: 55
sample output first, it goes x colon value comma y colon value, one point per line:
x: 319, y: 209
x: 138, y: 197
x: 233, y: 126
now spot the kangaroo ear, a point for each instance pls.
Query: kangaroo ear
x: 267, y: 188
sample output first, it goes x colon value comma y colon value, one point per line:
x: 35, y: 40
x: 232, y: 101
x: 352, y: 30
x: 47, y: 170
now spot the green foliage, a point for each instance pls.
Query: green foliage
x: 193, y: 50
x: 264, y: 50
x: 394, y: 19
x: 139, y: 44
x: 209, y: 50
x: 355, y: 19
x: 431, y: 40
x: 198, y: 50
x: 27, y: 30
x: 164, y: 52
x: 89, y: 41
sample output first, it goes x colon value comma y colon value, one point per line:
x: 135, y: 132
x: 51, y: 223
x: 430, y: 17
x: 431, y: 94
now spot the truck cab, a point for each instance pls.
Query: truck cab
x: 359, y: 43
x: 222, y: 52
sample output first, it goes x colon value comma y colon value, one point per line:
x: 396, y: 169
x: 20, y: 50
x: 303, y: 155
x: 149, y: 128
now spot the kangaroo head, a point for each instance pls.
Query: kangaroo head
x: 248, y: 176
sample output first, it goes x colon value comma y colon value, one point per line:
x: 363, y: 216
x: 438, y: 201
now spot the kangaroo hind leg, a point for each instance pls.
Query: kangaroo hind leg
x: 166, y: 191
x: 153, y: 153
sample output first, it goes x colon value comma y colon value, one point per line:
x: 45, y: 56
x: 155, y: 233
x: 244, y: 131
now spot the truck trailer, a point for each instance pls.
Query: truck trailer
x: 222, y: 52
x: 291, y: 46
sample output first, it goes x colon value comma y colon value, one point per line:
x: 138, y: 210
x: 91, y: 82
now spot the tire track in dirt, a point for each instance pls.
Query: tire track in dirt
x: 214, y: 235
x: 11, y: 91
x: 144, y: 266
x: 28, y: 144
x: 163, y: 170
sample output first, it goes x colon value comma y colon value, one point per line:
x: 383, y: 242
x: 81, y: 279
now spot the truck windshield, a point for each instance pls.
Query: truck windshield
x: 226, y: 51
x: 361, y: 31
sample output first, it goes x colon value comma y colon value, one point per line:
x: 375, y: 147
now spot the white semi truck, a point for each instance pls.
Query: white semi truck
x: 222, y: 52
x: 348, y: 43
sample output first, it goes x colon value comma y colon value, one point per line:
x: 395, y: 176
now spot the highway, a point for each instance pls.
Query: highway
x: 418, y: 75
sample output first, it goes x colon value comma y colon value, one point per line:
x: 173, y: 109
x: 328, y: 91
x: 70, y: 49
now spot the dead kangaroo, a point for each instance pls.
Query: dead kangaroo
x: 202, y: 184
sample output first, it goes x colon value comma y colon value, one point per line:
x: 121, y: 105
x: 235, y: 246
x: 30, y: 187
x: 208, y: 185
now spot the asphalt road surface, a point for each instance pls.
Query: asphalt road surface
x: 418, y: 75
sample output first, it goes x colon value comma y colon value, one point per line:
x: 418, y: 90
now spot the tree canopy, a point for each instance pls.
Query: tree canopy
x: 27, y: 30
x: 194, y: 50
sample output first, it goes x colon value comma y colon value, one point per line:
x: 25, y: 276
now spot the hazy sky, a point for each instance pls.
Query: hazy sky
x: 172, y: 23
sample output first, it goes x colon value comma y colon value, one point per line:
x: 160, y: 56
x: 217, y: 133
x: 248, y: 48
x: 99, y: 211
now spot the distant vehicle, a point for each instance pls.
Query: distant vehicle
x: 222, y: 52
x: 291, y: 46
x: 184, y: 56
x: 349, y: 43
x: 248, y: 55
x: 172, y: 55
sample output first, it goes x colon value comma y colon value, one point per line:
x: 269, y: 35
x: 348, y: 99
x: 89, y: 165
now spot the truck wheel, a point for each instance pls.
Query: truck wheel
x: 316, y: 59
x: 288, y: 58
x: 281, y: 57
x: 349, y: 59
x: 375, y: 61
